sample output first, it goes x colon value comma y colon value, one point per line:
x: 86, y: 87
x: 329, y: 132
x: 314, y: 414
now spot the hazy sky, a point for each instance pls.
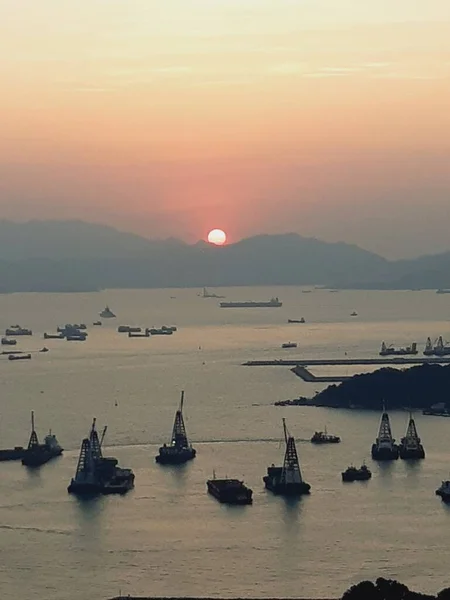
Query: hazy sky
x: 326, y: 117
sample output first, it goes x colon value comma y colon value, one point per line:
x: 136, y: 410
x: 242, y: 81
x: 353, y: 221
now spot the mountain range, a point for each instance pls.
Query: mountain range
x: 78, y: 256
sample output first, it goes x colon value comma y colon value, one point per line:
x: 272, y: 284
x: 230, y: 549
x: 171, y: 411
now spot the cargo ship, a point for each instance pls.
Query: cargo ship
x: 20, y: 356
x: 16, y: 453
x: 229, y: 491
x: 96, y: 474
x: 354, y: 474
x: 272, y: 303
x: 38, y: 454
x: 391, y: 351
x: 287, y: 480
x: 179, y: 451
x: 302, y: 320
x: 17, y: 330
x: 8, y: 342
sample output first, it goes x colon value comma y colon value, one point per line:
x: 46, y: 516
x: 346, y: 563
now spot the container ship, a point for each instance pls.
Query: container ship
x: 229, y: 491
x: 96, y: 474
x: 179, y: 450
x: 272, y: 303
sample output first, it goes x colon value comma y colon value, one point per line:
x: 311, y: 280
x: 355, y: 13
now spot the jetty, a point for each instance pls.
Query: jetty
x: 309, y: 377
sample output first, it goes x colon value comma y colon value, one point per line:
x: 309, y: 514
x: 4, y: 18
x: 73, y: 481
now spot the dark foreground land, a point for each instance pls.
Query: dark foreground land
x: 415, y: 388
x: 382, y: 589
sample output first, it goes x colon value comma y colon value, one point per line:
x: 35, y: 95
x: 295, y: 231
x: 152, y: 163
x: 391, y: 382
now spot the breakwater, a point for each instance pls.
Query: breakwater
x: 329, y: 362
x: 309, y: 377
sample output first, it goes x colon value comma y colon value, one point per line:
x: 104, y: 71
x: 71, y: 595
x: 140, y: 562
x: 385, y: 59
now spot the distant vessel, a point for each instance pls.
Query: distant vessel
x: 384, y: 447
x: 7, y: 342
x: 289, y: 345
x: 272, y: 303
x: 180, y: 450
x: 128, y: 329
x: 19, y: 356
x: 53, y: 336
x: 444, y: 491
x: 96, y: 474
x: 97, y: 323
x: 391, y: 351
x: 442, y: 291
x: 354, y: 314
x: 302, y: 320
x: 287, y: 480
x: 161, y: 331
x: 410, y: 445
x: 144, y: 334
x: 438, y: 349
x: 229, y: 491
x: 439, y: 410
x: 322, y: 437
x: 207, y: 294
x: 354, y: 474
x: 107, y: 313
x: 16, y: 330
x: 38, y: 454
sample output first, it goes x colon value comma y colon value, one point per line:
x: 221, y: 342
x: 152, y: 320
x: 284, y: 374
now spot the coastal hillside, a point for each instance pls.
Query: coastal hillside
x: 418, y: 387
x: 77, y: 256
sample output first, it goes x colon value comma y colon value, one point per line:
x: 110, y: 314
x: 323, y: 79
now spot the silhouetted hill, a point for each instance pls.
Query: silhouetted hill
x: 73, y: 255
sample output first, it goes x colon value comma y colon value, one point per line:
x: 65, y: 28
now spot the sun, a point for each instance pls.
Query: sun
x: 217, y: 237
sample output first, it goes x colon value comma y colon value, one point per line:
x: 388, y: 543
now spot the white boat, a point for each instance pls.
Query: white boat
x: 107, y: 313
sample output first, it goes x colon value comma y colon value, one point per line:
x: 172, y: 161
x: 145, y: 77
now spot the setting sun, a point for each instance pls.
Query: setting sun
x: 217, y: 237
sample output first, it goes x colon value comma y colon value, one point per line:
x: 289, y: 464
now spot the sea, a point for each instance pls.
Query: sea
x: 168, y: 537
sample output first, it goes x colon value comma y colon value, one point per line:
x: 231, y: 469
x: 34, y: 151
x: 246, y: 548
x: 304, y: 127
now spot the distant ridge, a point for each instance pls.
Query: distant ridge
x: 70, y: 256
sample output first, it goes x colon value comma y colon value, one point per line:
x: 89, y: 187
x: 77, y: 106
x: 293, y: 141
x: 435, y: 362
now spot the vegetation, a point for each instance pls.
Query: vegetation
x: 417, y: 387
x: 389, y: 589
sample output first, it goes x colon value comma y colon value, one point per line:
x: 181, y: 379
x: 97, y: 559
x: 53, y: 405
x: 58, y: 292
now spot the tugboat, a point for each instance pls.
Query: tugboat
x: 180, y: 450
x: 38, y: 454
x: 287, y: 480
x: 107, y: 313
x: 229, y: 491
x: 444, y: 491
x: 384, y: 447
x: 410, y: 446
x: 96, y: 474
x: 354, y: 474
x: 322, y: 437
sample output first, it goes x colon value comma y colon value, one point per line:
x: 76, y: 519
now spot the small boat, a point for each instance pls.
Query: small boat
x: 44, y: 349
x: 179, y: 450
x: 19, y: 356
x: 8, y: 342
x: 73, y: 337
x: 97, y: 323
x: 354, y: 474
x: 16, y: 330
x: 287, y: 480
x: 128, y: 329
x: 107, y: 313
x: 302, y: 320
x: 53, y: 336
x: 38, y: 454
x: 289, y: 345
x: 444, y: 491
x: 354, y: 314
x: 229, y: 491
x: 96, y: 474
x: 322, y: 437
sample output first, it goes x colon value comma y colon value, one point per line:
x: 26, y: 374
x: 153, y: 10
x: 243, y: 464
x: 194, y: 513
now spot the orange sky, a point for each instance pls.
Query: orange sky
x: 326, y: 117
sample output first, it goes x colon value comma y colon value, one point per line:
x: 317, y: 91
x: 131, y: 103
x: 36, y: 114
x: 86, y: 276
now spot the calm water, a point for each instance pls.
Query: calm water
x: 168, y: 537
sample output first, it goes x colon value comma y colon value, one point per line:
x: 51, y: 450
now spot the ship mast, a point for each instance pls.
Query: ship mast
x: 412, y: 439
x: 384, y: 433
x: 291, y: 467
x: 179, y: 436
x: 91, y: 452
x: 33, y: 437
